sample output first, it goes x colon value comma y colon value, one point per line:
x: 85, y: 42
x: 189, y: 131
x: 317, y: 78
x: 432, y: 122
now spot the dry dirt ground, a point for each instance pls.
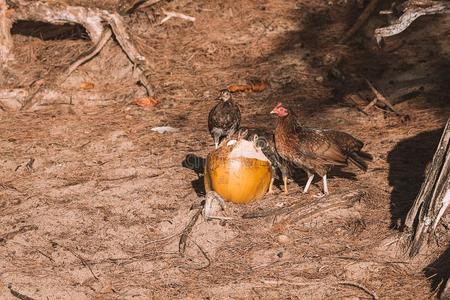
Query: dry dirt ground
x: 99, y: 212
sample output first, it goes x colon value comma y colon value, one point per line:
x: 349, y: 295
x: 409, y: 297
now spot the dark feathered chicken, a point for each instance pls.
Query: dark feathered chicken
x: 224, y: 118
x: 315, y: 150
x: 265, y: 140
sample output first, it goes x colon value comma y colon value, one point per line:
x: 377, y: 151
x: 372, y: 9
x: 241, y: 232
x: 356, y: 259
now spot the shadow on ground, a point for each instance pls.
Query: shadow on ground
x: 408, y: 161
x: 439, y: 272
x: 196, y: 164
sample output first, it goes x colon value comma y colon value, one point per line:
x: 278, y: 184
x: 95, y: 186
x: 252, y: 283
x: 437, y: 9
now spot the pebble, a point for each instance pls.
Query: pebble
x: 283, y: 239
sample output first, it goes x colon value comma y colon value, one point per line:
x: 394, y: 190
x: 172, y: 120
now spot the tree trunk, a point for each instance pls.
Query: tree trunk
x: 433, y: 198
x: 6, y: 43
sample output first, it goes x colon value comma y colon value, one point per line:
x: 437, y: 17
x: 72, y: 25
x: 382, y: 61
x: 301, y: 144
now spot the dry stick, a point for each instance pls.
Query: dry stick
x: 360, y: 21
x: 84, y: 57
x: 352, y: 99
x: 18, y: 295
x: 205, y: 255
x: 83, y: 262
x: 372, y: 103
x: 382, y: 99
x: 187, y: 230
x: 360, y: 286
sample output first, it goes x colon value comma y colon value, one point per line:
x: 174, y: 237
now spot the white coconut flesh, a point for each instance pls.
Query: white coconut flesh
x: 244, y: 148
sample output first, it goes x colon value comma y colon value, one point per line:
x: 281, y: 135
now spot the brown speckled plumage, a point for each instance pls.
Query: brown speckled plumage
x: 315, y: 150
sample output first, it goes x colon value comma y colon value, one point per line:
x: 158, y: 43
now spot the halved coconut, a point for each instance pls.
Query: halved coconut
x: 238, y: 171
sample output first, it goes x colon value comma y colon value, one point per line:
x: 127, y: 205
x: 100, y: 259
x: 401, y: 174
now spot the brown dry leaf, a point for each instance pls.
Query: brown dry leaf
x: 240, y: 88
x: 85, y: 86
x: 146, y: 102
x: 258, y: 87
x: 255, y: 87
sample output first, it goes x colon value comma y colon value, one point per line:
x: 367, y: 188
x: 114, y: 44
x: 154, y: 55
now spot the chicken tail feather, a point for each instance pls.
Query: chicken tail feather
x: 358, y: 161
x: 365, y: 155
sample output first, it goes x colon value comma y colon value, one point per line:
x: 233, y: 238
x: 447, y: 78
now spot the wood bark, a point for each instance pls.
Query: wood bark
x: 6, y: 43
x: 100, y: 25
x: 412, y: 10
x: 433, y: 198
x: 58, y: 14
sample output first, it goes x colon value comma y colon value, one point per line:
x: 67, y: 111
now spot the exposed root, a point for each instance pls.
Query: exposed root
x: 90, y: 18
x: 412, y: 10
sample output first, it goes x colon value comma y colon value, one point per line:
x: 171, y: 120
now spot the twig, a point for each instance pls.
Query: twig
x: 164, y: 238
x: 84, y: 57
x: 353, y: 99
x: 360, y: 21
x: 368, y: 106
x: 29, y: 165
x: 360, y: 286
x: 18, y: 295
x: 83, y: 262
x: 382, y: 99
x: 187, y: 230
x: 205, y: 255
x: 172, y: 14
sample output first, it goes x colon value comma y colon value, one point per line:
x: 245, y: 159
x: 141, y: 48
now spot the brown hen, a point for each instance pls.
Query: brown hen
x: 315, y: 150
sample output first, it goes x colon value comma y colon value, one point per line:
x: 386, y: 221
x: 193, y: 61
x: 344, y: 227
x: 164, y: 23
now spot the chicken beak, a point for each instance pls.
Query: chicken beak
x: 272, y: 112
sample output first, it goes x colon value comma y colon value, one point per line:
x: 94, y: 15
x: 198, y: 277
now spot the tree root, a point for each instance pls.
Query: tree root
x: 100, y: 25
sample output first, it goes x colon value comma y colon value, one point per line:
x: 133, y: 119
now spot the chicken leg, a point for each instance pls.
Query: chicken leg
x: 325, y: 185
x: 285, y: 180
x: 308, y: 183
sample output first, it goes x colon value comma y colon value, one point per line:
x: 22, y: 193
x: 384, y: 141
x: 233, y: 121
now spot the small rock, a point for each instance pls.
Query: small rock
x: 319, y: 79
x: 283, y: 239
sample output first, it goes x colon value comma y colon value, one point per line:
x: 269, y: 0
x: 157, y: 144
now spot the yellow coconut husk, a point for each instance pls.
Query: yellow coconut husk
x: 239, y: 173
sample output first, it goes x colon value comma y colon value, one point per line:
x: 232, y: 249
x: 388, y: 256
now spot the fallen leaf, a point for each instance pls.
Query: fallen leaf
x: 85, y: 86
x: 240, y: 88
x: 146, y: 102
x: 258, y: 87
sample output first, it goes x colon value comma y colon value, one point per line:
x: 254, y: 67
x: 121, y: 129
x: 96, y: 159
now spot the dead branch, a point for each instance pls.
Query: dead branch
x: 360, y: 21
x: 318, y: 206
x: 412, y: 11
x: 362, y: 287
x: 433, y: 198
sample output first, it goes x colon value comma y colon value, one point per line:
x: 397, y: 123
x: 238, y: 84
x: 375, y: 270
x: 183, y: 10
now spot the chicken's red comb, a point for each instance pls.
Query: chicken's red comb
x: 279, y: 105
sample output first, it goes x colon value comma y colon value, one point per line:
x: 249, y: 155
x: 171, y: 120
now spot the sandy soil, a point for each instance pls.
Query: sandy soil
x: 98, y: 213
